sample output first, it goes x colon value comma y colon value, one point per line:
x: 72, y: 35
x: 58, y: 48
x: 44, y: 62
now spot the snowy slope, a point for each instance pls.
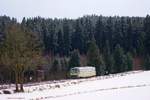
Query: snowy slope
x: 135, y: 86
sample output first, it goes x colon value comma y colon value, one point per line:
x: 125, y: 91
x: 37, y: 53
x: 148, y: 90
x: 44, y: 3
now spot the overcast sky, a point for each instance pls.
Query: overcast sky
x: 73, y: 8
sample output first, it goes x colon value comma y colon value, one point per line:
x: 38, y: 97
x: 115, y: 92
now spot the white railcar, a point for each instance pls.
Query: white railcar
x: 82, y: 72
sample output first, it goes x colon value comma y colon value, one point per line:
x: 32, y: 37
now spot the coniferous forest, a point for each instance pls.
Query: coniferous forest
x: 111, y: 44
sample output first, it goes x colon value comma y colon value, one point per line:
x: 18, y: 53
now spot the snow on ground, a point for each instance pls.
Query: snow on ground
x: 124, y: 86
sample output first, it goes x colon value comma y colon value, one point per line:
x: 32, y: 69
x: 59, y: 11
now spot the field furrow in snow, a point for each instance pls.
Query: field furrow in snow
x: 133, y: 86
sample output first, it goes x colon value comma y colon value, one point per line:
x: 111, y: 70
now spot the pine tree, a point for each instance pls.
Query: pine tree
x: 117, y: 36
x: 67, y: 38
x: 109, y: 30
x: 78, y: 38
x: 109, y: 60
x: 119, y: 59
x: 129, y: 37
x: 55, y: 66
x: 111, y: 65
x: 99, y: 33
x: 94, y: 58
x: 147, y: 31
x: 129, y: 62
x: 147, y: 63
x: 60, y: 43
x: 74, y: 59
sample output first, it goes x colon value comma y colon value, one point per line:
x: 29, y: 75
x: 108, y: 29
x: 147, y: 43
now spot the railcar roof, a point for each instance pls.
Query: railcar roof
x: 85, y: 67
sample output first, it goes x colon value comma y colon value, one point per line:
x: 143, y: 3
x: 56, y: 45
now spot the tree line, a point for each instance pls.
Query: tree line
x: 62, y: 36
x: 108, y: 43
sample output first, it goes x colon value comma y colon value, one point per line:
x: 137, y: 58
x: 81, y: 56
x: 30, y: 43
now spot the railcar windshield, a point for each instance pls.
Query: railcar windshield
x: 74, y: 70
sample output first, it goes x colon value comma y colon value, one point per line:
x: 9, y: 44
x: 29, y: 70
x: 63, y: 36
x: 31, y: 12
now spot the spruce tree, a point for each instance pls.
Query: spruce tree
x: 147, y: 31
x: 109, y: 60
x: 119, y: 59
x: 129, y: 62
x: 99, y: 33
x: 78, y: 41
x: 55, y: 66
x: 74, y: 59
x: 67, y: 38
x: 147, y: 63
x: 60, y: 43
x: 94, y: 58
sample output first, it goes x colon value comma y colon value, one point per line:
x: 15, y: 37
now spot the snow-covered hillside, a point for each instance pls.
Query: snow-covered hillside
x: 124, y: 86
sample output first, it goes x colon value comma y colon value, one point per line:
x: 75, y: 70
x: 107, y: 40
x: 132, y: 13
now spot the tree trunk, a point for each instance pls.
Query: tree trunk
x: 21, y: 81
x: 21, y: 87
x: 17, y: 89
x: 17, y: 81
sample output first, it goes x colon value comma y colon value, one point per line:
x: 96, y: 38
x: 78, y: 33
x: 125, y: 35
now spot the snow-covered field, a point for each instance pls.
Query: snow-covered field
x: 123, y: 86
